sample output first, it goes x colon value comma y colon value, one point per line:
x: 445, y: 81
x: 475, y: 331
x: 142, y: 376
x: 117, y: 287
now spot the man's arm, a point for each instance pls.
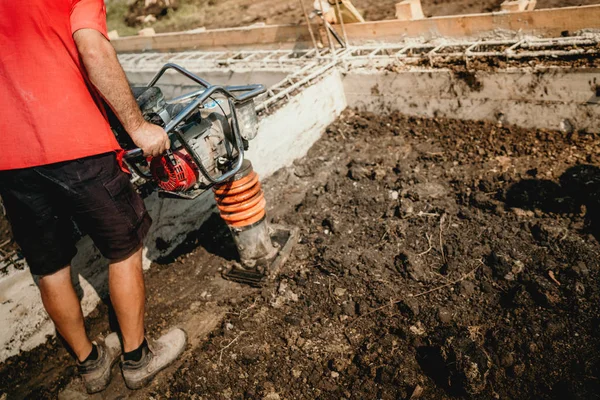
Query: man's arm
x: 107, y: 75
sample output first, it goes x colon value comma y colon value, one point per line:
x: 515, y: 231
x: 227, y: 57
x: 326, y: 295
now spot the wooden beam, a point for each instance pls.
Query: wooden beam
x: 514, y: 5
x: 349, y: 13
x: 532, y: 4
x: 408, y: 10
x: 146, y: 32
x: 518, y: 5
x: 215, y: 39
x: 543, y: 23
x: 112, y: 35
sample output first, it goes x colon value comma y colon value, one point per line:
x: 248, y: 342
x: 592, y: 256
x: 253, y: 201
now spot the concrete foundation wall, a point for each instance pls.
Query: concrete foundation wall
x: 524, y: 98
x: 284, y: 136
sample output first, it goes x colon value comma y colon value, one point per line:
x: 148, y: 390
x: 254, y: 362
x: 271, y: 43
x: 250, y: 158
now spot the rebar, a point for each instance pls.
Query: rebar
x: 324, y: 20
x: 341, y: 17
x: 310, y: 28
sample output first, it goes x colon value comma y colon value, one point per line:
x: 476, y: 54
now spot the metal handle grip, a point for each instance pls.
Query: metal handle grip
x: 135, y: 153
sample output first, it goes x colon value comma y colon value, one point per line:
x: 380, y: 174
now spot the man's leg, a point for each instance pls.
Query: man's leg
x: 106, y: 206
x: 128, y: 296
x: 39, y: 209
x: 62, y: 304
x: 42, y: 228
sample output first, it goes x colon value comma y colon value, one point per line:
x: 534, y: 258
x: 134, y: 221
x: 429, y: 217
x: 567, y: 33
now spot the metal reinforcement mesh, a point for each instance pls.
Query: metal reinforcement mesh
x: 304, y: 66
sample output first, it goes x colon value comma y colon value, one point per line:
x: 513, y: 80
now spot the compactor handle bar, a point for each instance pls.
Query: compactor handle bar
x: 200, y: 96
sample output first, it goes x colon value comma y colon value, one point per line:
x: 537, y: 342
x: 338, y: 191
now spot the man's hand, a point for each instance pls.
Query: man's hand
x: 152, y: 139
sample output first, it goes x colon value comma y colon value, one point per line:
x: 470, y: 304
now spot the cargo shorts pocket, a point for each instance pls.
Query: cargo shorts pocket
x: 127, y: 201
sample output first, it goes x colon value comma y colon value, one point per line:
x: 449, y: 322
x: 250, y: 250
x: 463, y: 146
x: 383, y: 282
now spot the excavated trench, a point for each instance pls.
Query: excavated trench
x: 448, y: 248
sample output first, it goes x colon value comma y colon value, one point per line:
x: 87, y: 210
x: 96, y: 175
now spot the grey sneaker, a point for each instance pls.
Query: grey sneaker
x: 159, y: 355
x: 96, y: 373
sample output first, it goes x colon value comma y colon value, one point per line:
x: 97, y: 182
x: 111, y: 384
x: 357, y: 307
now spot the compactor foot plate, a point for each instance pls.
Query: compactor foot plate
x: 285, y: 239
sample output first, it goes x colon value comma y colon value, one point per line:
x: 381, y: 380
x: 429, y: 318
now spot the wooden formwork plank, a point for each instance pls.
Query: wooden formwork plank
x: 544, y: 23
x: 220, y: 38
x: 532, y: 4
x: 409, y: 9
x: 515, y: 5
x: 518, y: 5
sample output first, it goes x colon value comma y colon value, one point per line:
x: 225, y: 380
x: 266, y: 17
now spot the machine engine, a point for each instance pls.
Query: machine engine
x: 209, y: 130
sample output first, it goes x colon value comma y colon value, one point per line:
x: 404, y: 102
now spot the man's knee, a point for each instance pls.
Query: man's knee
x: 57, y: 275
x: 132, y: 258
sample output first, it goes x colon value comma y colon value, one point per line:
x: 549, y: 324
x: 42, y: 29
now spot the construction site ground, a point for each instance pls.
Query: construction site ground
x: 212, y: 14
x: 437, y: 259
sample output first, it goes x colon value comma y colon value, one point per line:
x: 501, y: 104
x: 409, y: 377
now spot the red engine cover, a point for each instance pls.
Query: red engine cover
x: 176, y: 176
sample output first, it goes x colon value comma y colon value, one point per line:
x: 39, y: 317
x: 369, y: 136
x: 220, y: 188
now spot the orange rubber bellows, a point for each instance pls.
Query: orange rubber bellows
x: 241, y: 201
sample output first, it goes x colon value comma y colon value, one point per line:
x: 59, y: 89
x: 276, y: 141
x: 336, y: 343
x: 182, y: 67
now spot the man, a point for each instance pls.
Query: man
x: 60, y: 161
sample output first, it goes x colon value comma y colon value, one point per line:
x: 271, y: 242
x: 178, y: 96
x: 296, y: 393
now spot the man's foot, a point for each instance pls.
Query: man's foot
x: 96, y: 373
x: 156, y: 357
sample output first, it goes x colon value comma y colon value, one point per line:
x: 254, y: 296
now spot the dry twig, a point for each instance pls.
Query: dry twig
x: 423, y: 214
x: 245, y: 310
x: 430, y: 245
x: 387, y: 231
x: 553, y: 277
x: 226, y: 347
x: 465, y: 276
x: 442, y: 220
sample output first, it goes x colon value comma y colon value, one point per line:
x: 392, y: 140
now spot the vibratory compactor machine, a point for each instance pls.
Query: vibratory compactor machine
x: 210, y: 128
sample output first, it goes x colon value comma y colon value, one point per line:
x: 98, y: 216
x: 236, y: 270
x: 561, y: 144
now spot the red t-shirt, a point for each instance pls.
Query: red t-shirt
x: 49, y: 111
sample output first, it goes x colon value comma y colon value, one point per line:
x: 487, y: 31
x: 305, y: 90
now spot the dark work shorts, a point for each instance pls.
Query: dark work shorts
x: 42, y: 203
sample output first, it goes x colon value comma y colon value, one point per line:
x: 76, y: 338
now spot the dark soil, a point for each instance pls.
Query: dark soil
x: 438, y: 259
